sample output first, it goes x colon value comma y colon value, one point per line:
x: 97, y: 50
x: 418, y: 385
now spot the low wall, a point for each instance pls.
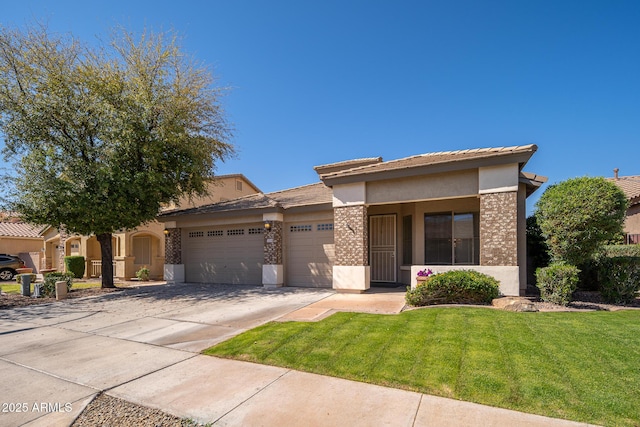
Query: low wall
x: 508, y: 276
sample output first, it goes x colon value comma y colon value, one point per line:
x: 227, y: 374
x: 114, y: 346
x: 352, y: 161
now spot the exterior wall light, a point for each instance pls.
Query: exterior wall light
x: 166, y: 232
x: 267, y: 226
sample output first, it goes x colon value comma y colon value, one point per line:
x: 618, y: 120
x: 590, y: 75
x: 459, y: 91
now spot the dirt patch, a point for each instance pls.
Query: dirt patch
x: 8, y: 301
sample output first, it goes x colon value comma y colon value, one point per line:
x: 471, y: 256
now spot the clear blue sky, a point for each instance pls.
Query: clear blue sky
x: 316, y: 82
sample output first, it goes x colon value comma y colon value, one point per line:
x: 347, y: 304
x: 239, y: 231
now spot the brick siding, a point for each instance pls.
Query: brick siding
x: 273, y: 244
x: 173, y: 246
x: 499, y: 229
x: 351, y: 235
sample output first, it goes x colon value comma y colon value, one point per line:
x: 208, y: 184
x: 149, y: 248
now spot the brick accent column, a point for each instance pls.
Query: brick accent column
x: 273, y: 243
x: 173, y: 246
x: 63, y: 243
x: 499, y: 229
x: 351, y: 235
x: 351, y: 272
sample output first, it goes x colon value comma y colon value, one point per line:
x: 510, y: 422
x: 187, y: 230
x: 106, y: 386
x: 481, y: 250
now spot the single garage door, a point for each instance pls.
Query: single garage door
x: 310, y: 254
x: 224, y: 255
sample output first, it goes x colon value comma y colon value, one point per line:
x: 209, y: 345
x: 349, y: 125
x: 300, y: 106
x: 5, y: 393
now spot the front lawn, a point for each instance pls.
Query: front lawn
x: 579, y: 366
x: 15, y: 288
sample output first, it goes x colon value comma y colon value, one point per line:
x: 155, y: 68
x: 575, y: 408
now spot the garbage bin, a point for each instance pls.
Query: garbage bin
x: 25, y: 280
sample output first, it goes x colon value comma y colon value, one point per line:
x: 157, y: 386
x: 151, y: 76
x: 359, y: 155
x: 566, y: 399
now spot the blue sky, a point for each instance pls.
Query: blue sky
x: 316, y: 82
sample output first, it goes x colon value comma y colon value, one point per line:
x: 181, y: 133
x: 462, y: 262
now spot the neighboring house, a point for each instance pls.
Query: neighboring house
x: 630, y: 185
x: 366, y: 221
x: 22, y: 239
x: 142, y: 247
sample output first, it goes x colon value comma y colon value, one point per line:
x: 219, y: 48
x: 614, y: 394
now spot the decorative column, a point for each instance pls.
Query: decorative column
x: 351, y: 272
x: 272, y: 267
x: 173, y: 266
x: 63, y: 247
x: 499, y: 240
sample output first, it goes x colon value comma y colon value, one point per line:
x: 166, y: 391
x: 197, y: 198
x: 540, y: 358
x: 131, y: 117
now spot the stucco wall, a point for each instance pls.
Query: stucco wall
x: 14, y: 246
x: 632, y: 223
x: 436, y: 186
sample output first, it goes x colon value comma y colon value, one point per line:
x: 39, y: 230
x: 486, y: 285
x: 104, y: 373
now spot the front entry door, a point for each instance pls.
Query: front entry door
x: 382, y: 244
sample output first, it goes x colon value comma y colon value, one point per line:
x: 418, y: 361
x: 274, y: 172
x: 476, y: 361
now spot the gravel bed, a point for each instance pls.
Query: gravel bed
x: 110, y: 411
x: 8, y: 301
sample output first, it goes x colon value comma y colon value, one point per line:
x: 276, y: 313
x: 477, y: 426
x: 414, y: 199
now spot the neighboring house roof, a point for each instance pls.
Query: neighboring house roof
x: 239, y: 176
x: 20, y: 229
x: 630, y: 185
x: 306, y: 195
x: 431, y: 163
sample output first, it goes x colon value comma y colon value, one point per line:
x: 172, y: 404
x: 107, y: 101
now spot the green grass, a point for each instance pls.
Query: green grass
x: 14, y: 288
x: 578, y: 366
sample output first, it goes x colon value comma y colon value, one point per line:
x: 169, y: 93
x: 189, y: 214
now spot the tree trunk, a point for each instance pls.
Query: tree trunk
x: 107, y: 259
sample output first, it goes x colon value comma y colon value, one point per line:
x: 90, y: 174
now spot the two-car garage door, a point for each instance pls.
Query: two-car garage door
x: 231, y: 254
x: 235, y: 254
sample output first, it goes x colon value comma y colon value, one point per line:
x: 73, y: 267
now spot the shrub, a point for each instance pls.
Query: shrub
x: 50, y: 279
x: 143, y: 274
x: 557, y: 283
x: 460, y: 286
x: 19, y: 277
x: 619, y: 279
x: 75, y: 264
x: 612, y: 251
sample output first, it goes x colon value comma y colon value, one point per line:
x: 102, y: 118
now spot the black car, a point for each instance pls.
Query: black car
x: 8, y: 266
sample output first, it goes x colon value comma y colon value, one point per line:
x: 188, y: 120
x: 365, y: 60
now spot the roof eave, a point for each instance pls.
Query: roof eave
x: 520, y: 157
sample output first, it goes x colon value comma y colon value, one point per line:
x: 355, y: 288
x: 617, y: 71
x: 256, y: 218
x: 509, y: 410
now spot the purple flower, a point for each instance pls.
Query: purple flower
x: 425, y: 273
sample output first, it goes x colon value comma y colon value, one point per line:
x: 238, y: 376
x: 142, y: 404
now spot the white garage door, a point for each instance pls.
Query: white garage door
x: 310, y: 254
x: 224, y: 255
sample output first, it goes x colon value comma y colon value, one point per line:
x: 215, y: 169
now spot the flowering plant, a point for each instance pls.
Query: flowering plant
x: 425, y: 273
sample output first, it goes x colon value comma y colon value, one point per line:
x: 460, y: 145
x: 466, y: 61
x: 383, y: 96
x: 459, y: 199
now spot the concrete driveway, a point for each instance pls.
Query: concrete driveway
x: 54, y: 358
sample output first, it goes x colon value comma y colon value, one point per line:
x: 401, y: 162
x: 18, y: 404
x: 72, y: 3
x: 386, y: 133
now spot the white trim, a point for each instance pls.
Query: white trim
x: 273, y: 216
x: 351, y: 278
x: 272, y: 275
x: 349, y: 194
x: 498, y: 179
x: 174, y: 273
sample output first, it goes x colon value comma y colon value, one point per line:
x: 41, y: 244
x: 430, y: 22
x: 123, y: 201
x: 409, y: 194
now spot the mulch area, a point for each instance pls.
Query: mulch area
x: 8, y: 301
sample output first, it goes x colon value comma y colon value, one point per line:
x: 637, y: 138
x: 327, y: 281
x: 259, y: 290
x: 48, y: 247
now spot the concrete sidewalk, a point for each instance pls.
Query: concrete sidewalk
x: 142, y: 345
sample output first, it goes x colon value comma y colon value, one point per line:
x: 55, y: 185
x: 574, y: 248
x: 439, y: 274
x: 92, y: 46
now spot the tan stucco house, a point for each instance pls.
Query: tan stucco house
x: 141, y: 247
x: 366, y: 221
x: 21, y: 239
x: 630, y: 185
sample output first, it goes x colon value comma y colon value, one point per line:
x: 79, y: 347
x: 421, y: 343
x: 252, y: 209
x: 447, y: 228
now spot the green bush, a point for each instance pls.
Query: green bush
x: 143, y: 274
x: 619, y: 279
x: 557, y: 283
x: 454, y: 287
x: 612, y: 251
x: 75, y: 264
x: 50, y: 279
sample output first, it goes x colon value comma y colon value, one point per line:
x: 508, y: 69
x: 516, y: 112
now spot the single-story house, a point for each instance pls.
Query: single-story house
x: 138, y: 248
x: 366, y: 221
x: 23, y: 240
x: 630, y: 185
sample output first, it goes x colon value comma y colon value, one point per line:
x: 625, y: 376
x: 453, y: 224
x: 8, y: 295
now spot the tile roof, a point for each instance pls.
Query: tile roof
x: 19, y: 229
x: 630, y: 185
x: 312, y: 194
x: 428, y: 159
x: 306, y: 195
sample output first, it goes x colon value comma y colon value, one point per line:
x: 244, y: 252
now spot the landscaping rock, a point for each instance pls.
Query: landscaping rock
x: 514, y: 304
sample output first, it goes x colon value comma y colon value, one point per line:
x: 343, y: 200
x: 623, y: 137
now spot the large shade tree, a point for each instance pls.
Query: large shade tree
x: 578, y: 216
x: 101, y: 136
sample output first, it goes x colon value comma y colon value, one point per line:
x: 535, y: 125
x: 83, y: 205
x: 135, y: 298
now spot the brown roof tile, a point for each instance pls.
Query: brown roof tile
x: 312, y: 194
x: 630, y: 185
x: 19, y: 229
x: 429, y: 159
